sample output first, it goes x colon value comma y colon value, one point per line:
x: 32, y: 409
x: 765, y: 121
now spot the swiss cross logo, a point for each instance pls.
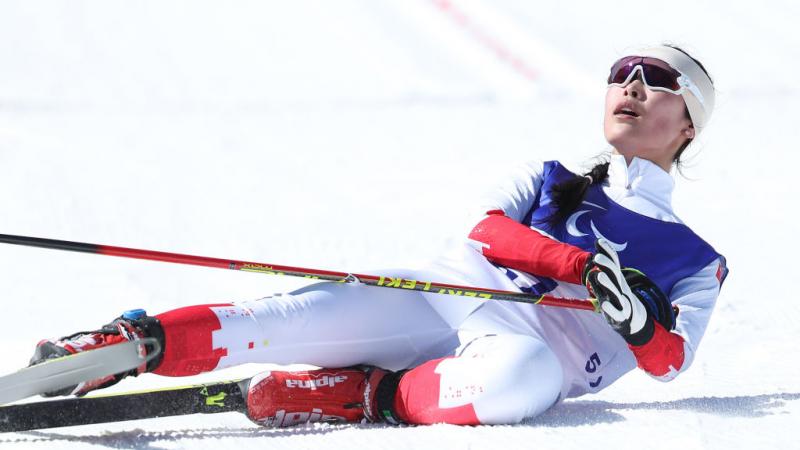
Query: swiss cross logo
x: 720, y: 273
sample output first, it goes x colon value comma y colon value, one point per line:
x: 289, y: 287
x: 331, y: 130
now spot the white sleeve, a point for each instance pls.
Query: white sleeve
x: 695, y: 297
x: 516, y: 193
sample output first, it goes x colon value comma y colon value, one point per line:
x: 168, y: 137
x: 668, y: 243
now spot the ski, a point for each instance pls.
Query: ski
x: 210, y: 398
x: 71, y: 370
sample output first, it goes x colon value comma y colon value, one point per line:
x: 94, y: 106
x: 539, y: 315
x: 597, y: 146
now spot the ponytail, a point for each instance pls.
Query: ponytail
x: 568, y: 195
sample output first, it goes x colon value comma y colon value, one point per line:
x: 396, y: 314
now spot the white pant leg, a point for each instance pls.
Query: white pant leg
x: 506, y: 378
x: 334, y: 325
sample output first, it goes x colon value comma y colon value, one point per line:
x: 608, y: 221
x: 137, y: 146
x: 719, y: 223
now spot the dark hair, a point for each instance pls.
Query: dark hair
x: 568, y: 195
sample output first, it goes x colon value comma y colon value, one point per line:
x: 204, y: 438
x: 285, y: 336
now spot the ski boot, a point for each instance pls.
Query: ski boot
x: 355, y: 394
x: 132, y: 325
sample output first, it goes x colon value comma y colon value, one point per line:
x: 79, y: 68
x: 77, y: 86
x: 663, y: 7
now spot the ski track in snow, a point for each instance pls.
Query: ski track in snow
x: 357, y: 135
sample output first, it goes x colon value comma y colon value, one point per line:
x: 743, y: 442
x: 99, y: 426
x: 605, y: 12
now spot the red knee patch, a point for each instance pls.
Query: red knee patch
x: 417, y: 399
x: 188, y: 344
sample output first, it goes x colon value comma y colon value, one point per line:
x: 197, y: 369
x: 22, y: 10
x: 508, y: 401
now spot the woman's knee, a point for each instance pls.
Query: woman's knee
x: 523, y: 378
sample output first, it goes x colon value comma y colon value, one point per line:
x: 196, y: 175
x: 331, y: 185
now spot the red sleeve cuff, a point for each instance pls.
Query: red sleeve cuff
x: 516, y: 246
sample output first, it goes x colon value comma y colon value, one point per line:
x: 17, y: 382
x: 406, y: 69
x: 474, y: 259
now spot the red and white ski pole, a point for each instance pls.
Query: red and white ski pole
x: 317, y: 274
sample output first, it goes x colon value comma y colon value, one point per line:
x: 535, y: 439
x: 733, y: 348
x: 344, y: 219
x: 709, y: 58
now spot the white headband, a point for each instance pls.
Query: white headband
x: 699, y: 90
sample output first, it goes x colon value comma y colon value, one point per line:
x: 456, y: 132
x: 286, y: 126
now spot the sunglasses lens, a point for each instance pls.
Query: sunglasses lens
x: 657, y: 73
x: 622, y: 68
x: 660, y: 74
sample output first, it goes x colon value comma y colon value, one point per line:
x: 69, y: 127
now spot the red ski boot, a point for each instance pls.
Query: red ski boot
x: 132, y: 325
x: 283, y: 399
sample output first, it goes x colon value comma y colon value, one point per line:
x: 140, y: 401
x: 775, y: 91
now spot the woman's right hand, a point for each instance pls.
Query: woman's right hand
x: 629, y: 301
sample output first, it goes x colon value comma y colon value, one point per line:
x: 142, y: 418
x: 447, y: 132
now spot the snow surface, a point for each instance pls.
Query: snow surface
x: 354, y: 135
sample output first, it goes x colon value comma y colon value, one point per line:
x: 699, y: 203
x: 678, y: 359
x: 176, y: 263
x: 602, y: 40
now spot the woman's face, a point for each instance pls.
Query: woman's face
x: 649, y: 124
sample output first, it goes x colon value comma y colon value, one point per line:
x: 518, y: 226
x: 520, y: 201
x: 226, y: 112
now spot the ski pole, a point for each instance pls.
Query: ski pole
x: 316, y: 274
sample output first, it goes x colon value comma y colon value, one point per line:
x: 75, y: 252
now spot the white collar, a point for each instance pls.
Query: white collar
x: 642, y: 178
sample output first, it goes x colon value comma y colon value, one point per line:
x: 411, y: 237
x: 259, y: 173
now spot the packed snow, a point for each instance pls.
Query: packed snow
x: 357, y: 135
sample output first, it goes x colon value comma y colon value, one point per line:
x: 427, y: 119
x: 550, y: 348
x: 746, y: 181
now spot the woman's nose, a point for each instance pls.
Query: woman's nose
x: 635, y: 88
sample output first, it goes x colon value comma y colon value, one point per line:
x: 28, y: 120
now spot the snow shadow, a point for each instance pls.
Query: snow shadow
x: 587, y: 412
x: 143, y: 440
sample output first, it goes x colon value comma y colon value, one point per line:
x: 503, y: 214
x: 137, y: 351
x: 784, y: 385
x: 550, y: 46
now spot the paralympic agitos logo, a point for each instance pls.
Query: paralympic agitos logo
x: 572, y: 227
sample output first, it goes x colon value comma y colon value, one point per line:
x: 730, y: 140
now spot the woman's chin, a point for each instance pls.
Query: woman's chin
x: 622, y: 137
